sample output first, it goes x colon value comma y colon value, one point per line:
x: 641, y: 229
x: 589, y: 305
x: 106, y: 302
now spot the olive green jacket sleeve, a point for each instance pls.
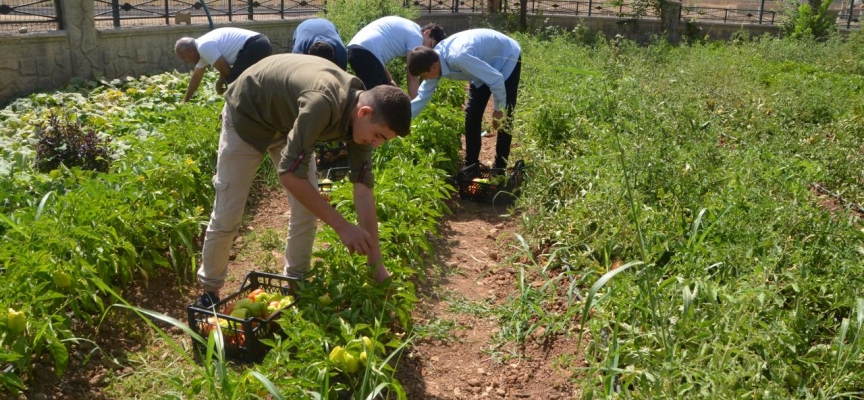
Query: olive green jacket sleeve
x: 315, y: 114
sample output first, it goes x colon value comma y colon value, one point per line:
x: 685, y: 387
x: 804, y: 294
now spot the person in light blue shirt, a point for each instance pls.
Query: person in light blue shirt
x: 385, y: 39
x: 492, y: 63
x: 311, y: 34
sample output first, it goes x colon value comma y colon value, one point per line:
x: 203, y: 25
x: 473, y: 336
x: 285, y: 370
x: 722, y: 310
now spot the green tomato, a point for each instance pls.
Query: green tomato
x: 324, y: 299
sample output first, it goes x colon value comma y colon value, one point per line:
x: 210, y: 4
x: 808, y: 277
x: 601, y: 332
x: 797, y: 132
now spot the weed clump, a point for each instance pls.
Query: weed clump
x: 62, y: 141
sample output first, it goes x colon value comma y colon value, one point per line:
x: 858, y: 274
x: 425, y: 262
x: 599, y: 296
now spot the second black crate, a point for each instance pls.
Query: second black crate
x: 496, y: 186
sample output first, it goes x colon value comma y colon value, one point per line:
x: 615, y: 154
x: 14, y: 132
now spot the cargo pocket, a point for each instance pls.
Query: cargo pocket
x: 227, y: 121
x: 221, y: 199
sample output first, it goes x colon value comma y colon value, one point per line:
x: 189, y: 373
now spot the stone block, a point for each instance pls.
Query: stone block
x: 28, y: 66
x: 61, y: 60
x: 10, y: 63
x: 141, y: 53
x: 181, y: 17
x: 121, y: 67
x: 7, y: 82
x: 43, y: 68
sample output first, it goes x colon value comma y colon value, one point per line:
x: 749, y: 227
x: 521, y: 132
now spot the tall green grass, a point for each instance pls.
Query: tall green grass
x: 700, y: 162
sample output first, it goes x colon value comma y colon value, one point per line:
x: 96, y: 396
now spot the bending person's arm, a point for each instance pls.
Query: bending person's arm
x: 487, y: 74
x: 294, y: 169
x: 413, y: 85
x: 364, y: 201
x: 194, y: 82
x: 222, y: 66
x: 224, y: 72
x: 357, y: 239
x: 424, y: 94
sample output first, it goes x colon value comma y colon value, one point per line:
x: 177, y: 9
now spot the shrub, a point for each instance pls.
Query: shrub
x: 71, y: 144
x: 804, y: 22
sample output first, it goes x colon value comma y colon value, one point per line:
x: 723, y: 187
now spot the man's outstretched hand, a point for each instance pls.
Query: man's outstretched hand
x: 497, y: 119
x: 356, y: 239
x: 381, y: 273
x: 220, y: 85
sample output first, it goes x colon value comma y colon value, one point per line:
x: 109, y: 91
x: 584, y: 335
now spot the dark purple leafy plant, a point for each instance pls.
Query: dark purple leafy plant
x: 72, y: 144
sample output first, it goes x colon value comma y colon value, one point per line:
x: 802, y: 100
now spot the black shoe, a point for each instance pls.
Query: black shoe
x: 207, y: 300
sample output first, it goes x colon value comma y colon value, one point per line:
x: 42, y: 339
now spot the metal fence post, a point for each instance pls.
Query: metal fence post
x: 282, y: 9
x: 589, y: 7
x: 230, y: 12
x: 115, y: 12
x: 167, y: 21
x: 249, y: 12
x: 59, y: 11
x: 761, y: 11
x: 851, y: 10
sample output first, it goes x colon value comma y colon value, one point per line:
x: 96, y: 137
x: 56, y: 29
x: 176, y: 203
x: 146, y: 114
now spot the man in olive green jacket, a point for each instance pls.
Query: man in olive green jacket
x: 283, y: 105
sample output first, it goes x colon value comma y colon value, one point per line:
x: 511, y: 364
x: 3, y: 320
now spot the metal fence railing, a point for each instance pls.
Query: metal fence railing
x: 30, y: 15
x: 849, y: 15
x: 767, y: 12
x: 588, y: 8
x: 113, y: 13
x: 726, y: 15
x: 43, y: 15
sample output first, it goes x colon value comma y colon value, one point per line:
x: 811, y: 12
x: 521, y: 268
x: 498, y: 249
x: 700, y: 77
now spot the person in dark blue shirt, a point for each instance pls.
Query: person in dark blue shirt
x: 310, y: 38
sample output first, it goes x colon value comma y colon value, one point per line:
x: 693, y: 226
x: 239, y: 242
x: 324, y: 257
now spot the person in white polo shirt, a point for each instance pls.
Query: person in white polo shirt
x: 385, y: 39
x: 230, y: 50
x: 492, y: 63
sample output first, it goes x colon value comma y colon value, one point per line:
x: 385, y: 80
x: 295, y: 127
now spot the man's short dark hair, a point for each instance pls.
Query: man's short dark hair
x: 436, y: 32
x: 390, y: 107
x: 421, y: 59
x: 323, y: 50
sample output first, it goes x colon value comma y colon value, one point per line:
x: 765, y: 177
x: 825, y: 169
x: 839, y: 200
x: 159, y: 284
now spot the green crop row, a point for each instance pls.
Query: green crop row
x: 67, y: 232
x: 699, y: 212
x: 72, y: 237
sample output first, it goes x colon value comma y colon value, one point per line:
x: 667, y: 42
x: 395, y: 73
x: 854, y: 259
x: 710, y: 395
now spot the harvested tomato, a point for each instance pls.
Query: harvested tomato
x: 254, y: 293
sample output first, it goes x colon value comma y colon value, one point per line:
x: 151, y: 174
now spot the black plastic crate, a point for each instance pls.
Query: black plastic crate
x: 242, y: 337
x: 331, y: 155
x: 485, y: 185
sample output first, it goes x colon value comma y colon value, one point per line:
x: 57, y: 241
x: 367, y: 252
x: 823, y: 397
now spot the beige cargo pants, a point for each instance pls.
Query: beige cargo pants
x: 236, y: 166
